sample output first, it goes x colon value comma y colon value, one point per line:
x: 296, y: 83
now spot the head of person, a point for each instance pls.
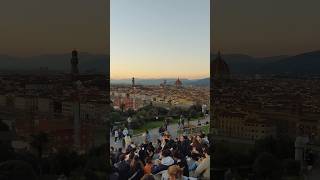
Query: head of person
x: 149, y: 160
x: 196, y: 146
x: 136, y: 163
x: 195, y: 156
x: 181, y: 138
x: 122, y: 157
x: 177, y: 155
x: 205, y: 150
x: 166, y: 153
x: 150, y: 144
x: 150, y: 148
x: 202, y: 135
x: 198, y: 137
x: 166, y: 135
x: 148, y: 177
x: 131, y: 155
x: 175, y: 172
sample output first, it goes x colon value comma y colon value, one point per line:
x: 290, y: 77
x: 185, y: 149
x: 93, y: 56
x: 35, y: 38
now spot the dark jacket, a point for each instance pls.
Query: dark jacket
x: 123, y: 168
x: 159, y: 168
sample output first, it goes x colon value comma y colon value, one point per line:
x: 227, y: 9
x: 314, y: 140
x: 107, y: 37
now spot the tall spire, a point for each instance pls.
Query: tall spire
x: 74, y: 62
x: 133, y: 82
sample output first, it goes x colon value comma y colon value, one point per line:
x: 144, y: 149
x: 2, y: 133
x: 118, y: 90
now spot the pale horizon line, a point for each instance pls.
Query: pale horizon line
x: 158, y: 78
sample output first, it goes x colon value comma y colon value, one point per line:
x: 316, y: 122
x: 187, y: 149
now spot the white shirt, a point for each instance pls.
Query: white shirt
x: 125, y: 132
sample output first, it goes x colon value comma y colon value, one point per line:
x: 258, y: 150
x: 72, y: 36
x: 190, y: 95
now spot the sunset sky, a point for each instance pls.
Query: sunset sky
x: 36, y: 27
x: 266, y: 27
x: 160, y: 39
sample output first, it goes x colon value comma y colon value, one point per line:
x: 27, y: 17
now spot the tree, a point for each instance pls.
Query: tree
x: 130, y: 112
x: 115, y: 117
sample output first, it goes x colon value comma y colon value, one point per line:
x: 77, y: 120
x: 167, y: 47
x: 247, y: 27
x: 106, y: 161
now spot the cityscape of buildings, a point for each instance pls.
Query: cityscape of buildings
x: 251, y: 108
x: 69, y: 107
x: 164, y: 95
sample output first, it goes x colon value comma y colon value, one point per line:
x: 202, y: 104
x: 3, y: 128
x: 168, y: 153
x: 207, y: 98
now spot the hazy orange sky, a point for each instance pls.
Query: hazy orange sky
x: 35, y: 27
x: 160, y: 39
x: 266, y: 27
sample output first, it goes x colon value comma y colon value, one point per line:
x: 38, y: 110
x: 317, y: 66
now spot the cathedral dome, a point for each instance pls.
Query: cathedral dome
x: 74, y: 53
x: 178, y: 82
x: 219, y: 67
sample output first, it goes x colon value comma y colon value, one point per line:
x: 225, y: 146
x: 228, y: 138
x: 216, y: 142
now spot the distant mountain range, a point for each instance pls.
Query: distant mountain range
x: 55, y: 62
x: 188, y: 82
x: 302, y: 64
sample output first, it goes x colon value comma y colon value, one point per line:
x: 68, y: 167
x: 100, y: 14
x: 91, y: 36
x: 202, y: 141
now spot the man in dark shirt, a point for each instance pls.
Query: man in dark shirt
x: 123, y: 168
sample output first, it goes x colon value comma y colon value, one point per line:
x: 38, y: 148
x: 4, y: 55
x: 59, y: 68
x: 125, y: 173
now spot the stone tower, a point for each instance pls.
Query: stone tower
x: 74, y: 63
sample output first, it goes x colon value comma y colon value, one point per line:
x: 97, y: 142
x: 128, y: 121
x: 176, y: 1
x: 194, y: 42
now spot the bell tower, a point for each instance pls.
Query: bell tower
x: 74, y: 63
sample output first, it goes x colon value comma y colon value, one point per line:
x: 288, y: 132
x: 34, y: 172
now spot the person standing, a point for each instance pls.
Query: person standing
x: 161, y: 130
x: 147, y: 136
x: 182, y: 122
x: 166, y: 124
x: 199, y: 122
x: 120, y: 135
x: 116, y: 135
x: 127, y: 141
x: 125, y: 132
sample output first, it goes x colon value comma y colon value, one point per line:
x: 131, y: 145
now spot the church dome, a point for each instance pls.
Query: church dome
x: 219, y: 67
x: 74, y: 53
x: 178, y: 82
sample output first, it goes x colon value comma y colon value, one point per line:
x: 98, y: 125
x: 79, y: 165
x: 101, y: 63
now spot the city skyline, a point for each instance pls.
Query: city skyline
x: 147, y: 43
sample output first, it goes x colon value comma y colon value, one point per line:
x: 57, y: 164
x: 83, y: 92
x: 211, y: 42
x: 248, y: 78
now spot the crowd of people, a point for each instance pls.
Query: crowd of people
x: 184, y: 157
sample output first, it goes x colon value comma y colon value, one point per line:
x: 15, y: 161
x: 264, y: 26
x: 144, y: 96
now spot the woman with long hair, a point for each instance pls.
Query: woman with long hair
x: 196, y: 146
x: 136, y: 169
